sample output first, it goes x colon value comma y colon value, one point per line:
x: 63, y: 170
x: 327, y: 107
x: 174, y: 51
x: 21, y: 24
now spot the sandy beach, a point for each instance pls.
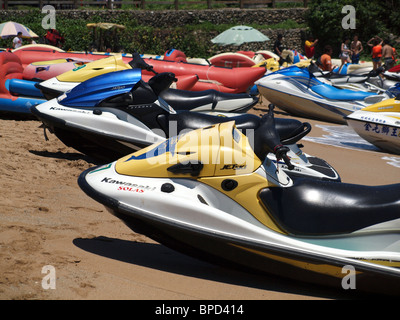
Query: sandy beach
x: 46, y: 220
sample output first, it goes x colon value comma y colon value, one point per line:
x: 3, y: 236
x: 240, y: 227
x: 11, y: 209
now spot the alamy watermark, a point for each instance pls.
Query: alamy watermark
x: 349, y: 280
x: 49, y: 280
x: 349, y: 20
x: 49, y: 21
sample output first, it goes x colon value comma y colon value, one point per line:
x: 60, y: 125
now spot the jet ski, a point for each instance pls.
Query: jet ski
x: 63, y: 82
x: 379, y: 124
x: 108, y: 124
x: 393, y: 73
x: 370, y: 81
x: 115, y: 74
x: 214, y: 194
x: 222, y: 79
x: 298, y: 92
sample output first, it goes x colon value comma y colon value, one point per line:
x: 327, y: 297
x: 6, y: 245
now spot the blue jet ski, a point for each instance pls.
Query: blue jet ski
x: 298, y: 92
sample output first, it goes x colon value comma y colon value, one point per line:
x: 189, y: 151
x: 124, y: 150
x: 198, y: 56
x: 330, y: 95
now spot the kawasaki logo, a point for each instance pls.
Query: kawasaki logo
x: 127, y: 184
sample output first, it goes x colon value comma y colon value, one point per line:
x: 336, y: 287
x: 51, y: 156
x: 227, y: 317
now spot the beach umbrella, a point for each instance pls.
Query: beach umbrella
x: 238, y: 35
x: 11, y: 29
x: 31, y: 33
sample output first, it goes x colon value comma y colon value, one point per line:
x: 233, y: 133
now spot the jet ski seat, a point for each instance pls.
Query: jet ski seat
x: 318, y: 208
x: 187, y: 120
x: 290, y: 130
x: 334, y: 93
x: 186, y: 100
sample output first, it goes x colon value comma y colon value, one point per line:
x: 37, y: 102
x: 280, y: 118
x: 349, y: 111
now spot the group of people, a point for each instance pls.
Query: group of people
x: 52, y: 37
x: 17, y: 41
x: 382, y: 49
x: 350, y: 52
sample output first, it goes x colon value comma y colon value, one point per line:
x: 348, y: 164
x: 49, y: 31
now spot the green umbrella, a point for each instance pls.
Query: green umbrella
x: 239, y: 35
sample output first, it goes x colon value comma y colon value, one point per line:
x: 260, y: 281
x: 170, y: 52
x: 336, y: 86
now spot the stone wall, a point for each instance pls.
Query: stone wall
x: 293, y: 38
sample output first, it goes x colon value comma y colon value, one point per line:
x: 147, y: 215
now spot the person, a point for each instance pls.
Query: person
x: 31, y: 41
x: 356, y: 47
x: 325, y: 61
x: 376, y: 44
x: 278, y: 48
x: 54, y: 38
x: 17, y: 41
x: 394, y: 55
x: 345, y: 51
x: 388, y: 54
x: 309, y: 47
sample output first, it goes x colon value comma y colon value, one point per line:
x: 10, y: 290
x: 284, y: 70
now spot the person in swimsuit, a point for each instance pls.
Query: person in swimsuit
x: 345, y: 51
x: 388, y: 55
x: 376, y: 44
x: 356, y: 48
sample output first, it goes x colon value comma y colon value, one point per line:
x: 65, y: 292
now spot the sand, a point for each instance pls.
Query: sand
x: 46, y: 220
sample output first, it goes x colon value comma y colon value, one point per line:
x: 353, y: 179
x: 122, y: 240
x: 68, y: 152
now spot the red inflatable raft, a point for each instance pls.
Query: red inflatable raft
x: 234, y: 80
x: 16, y: 95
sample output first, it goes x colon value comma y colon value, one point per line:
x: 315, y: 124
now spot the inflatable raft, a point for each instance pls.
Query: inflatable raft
x: 16, y: 95
x: 44, y: 70
x: 233, y: 80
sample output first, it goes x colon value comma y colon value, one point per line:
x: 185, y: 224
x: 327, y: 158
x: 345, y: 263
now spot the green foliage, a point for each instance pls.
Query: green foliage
x: 324, y: 20
x: 373, y: 17
x: 194, y: 40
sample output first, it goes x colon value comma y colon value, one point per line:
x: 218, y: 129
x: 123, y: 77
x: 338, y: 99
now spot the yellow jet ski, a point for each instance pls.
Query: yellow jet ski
x: 379, y: 124
x: 214, y: 194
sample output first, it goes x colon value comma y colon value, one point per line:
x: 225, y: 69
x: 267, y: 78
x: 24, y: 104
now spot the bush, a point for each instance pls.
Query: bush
x: 374, y: 17
x: 194, y: 40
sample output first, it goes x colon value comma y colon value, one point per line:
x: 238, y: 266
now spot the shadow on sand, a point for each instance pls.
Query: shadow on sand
x: 157, y: 256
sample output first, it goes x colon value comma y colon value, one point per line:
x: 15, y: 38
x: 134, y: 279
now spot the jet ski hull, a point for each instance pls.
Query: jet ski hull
x: 303, y: 107
x: 297, y: 92
x: 379, y: 129
x: 101, y: 136
x: 231, y: 238
x: 104, y: 137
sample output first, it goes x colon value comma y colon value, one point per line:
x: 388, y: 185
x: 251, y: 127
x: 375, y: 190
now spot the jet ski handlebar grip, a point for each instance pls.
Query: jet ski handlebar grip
x: 281, y: 153
x: 138, y: 62
x: 267, y: 139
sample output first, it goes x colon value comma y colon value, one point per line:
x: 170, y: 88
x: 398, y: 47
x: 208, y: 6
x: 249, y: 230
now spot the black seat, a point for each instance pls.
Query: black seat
x: 187, y: 100
x: 195, y: 120
x: 313, y: 207
x: 289, y: 130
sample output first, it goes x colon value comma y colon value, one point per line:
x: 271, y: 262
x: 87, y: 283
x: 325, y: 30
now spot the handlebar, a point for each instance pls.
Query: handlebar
x: 267, y: 139
x: 281, y: 153
x: 160, y: 81
x: 138, y: 63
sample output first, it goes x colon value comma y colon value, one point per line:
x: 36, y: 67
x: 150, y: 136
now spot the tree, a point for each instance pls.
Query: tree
x: 374, y: 17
